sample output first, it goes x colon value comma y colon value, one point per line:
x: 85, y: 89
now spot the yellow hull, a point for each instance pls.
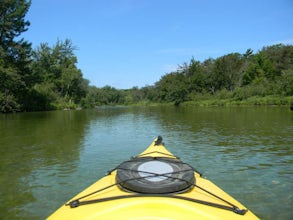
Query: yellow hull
x: 202, y: 201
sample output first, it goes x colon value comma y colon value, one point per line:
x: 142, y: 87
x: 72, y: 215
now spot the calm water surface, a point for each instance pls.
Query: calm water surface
x: 46, y: 158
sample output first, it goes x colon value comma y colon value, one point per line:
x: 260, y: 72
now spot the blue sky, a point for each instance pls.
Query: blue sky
x: 126, y: 43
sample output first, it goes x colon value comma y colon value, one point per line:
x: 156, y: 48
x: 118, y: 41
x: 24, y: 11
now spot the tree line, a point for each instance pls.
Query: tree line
x: 47, y: 78
x: 233, y: 77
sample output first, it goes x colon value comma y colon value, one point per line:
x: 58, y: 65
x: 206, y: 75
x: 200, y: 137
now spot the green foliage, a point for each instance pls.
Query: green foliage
x: 8, y: 103
x: 172, y: 88
x: 12, y: 21
x: 43, y: 79
x: 57, y: 77
x: 232, y: 77
x: 225, y: 73
x: 110, y: 96
x: 15, y: 75
x: 286, y: 83
x: 90, y: 100
x: 197, y: 77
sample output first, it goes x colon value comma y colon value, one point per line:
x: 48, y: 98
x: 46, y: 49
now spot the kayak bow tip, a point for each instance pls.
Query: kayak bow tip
x: 159, y: 140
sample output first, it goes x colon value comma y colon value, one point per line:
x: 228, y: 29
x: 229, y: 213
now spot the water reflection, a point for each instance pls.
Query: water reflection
x: 34, y: 148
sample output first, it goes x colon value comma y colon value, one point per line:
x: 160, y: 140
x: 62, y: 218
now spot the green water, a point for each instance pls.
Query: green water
x: 48, y: 157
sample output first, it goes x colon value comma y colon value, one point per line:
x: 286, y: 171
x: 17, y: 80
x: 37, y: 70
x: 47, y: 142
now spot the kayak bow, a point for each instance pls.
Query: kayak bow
x: 153, y: 185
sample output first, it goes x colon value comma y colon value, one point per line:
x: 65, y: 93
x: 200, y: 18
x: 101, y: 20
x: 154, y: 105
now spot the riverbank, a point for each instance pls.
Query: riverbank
x: 212, y: 101
x: 251, y: 101
x: 206, y: 101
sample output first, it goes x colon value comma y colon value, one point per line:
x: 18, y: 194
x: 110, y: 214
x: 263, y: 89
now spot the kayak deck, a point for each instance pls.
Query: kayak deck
x: 106, y: 199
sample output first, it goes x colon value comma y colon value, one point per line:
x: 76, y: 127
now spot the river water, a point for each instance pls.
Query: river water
x: 48, y: 157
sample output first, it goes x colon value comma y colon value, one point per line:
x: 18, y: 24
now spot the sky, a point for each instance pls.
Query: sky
x: 127, y: 43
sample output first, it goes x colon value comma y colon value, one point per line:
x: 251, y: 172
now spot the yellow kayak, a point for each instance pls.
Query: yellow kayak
x: 153, y: 185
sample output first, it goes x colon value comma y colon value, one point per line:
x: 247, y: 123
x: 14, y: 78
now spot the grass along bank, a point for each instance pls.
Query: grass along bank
x: 271, y: 100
